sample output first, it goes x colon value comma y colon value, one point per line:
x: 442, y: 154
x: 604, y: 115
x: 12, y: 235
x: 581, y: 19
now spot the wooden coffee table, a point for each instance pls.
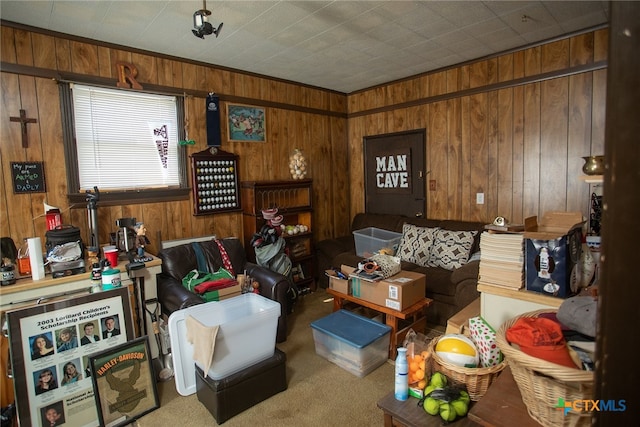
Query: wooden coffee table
x: 415, y: 314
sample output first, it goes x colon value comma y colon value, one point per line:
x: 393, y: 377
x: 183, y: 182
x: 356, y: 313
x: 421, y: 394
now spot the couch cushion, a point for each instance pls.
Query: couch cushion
x: 451, y: 249
x: 415, y: 245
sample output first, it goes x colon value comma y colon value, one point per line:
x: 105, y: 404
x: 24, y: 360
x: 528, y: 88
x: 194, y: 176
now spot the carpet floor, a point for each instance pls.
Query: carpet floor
x: 319, y: 392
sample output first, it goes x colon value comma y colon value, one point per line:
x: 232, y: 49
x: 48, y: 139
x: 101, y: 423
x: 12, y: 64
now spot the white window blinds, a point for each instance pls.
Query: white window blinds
x: 125, y: 140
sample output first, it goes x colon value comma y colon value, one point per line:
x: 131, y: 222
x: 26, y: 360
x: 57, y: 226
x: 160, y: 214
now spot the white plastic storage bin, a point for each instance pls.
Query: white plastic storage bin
x: 353, y: 342
x: 247, y: 335
x: 370, y: 240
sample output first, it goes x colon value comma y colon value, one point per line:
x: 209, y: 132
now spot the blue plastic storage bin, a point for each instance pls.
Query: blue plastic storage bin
x: 353, y: 342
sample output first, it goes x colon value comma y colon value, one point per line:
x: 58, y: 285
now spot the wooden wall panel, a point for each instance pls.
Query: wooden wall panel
x: 581, y: 49
x: 454, y: 158
x: 322, y: 137
x: 532, y: 166
x: 553, y: 144
x: 554, y: 56
x: 479, y: 144
x: 84, y: 57
x: 491, y: 141
x: 505, y: 155
x: 105, y: 69
x: 24, y: 49
x: 8, y: 45
x: 438, y: 159
x: 518, y: 156
x: 45, y: 55
x: 491, y: 191
x: 63, y: 55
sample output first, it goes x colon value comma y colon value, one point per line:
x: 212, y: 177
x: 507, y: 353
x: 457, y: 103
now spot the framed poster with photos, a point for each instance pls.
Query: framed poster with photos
x: 124, y: 383
x: 50, y: 349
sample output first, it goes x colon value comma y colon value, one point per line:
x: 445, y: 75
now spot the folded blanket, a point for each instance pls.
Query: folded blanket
x: 214, y: 285
x: 203, y: 338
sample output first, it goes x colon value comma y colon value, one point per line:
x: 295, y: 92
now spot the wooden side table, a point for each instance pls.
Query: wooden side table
x: 408, y: 414
x: 415, y: 314
x: 502, y: 405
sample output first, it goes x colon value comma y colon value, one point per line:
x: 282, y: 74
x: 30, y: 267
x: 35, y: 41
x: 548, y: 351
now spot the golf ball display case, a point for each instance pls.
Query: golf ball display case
x: 215, y: 182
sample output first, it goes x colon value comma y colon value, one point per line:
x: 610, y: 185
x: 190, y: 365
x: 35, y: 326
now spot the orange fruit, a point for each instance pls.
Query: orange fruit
x: 419, y: 374
x: 422, y: 384
x: 421, y: 365
x: 425, y: 354
x: 417, y: 358
x: 413, y: 366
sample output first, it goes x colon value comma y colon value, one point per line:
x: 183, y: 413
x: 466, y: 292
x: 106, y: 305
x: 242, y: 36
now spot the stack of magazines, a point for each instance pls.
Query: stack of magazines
x: 502, y: 259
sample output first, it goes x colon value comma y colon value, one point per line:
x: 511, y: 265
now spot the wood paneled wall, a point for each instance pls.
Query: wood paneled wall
x: 499, y: 126
x: 311, y: 119
x: 513, y: 127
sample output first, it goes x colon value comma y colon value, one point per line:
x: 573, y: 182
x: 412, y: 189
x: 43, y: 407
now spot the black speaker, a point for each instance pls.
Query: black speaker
x: 213, y: 120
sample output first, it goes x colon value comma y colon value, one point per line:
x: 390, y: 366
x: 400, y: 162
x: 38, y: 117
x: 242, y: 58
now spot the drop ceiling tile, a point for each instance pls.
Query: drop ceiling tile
x: 462, y: 13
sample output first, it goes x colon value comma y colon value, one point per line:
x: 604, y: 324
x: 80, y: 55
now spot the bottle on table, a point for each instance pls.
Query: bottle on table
x: 402, y: 375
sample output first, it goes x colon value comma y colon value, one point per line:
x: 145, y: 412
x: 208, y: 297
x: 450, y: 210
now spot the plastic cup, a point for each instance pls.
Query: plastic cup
x: 111, y: 254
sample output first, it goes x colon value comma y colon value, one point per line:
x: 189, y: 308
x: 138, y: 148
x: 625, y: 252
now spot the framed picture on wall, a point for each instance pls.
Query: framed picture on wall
x: 50, y: 354
x: 124, y: 383
x: 246, y: 123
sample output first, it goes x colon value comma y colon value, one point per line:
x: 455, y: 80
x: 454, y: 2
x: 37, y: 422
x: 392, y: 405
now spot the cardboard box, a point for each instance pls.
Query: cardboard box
x: 222, y: 294
x: 459, y: 322
x: 398, y: 292
x: 338, y: 284
x: 553, y: 247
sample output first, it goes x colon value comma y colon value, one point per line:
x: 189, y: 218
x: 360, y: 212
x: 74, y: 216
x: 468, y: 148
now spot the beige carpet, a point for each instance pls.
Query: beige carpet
x: 319, y: 392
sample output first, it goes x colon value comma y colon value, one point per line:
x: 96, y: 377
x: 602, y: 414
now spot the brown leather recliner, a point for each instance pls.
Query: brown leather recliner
x: 180, y: 260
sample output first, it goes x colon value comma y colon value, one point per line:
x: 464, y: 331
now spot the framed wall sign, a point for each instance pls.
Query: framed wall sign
x: 28, y: 177
x: 124, y: 383
x: 246, y: 123
x: 50, y: 349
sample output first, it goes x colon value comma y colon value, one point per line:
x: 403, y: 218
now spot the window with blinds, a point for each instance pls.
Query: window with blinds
x: 125, y: 140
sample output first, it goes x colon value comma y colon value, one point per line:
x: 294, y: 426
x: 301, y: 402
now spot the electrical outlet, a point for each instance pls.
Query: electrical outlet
x: 480, y: 198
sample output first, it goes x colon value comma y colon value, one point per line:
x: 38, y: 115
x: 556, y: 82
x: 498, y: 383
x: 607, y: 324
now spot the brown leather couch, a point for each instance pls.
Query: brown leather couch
x: 451, y: 291
x: 180, y: 260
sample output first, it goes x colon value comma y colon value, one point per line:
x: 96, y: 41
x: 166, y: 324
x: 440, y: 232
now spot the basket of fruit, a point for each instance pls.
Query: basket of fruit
x: 476, y: 379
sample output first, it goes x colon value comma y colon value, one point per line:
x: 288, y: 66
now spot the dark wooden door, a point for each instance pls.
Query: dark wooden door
x: 394, y: 173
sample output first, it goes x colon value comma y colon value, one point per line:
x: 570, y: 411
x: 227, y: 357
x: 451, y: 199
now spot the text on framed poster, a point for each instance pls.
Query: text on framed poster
x: 28, y: 177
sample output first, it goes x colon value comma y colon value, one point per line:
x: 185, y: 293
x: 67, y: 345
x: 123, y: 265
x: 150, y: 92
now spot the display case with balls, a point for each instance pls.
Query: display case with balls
x: 215, y: 182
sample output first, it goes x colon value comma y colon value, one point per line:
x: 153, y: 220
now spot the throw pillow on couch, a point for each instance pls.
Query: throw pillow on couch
x: 451, y: 249
x: 415, y: 244
x: 435, y: 247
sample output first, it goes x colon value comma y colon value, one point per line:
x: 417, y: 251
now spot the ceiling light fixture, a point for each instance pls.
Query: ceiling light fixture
x: 201, y: 24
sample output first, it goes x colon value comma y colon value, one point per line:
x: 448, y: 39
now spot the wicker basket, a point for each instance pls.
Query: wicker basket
x: 477, y: 380
x: 543, y: 383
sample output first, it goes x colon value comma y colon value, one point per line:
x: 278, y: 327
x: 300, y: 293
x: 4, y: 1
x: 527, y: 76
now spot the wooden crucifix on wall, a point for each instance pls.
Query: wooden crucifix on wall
x: 23, y: 123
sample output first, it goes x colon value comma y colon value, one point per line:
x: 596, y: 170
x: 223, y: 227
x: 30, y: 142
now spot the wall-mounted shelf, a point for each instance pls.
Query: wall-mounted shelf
x: 592, y: 179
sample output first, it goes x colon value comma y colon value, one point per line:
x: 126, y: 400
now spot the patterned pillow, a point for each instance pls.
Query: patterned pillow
x: 451, y: 249
x: 415, y: 245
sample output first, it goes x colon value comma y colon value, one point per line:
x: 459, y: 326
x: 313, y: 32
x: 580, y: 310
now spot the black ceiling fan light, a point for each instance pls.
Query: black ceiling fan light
x: 201, y: 24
